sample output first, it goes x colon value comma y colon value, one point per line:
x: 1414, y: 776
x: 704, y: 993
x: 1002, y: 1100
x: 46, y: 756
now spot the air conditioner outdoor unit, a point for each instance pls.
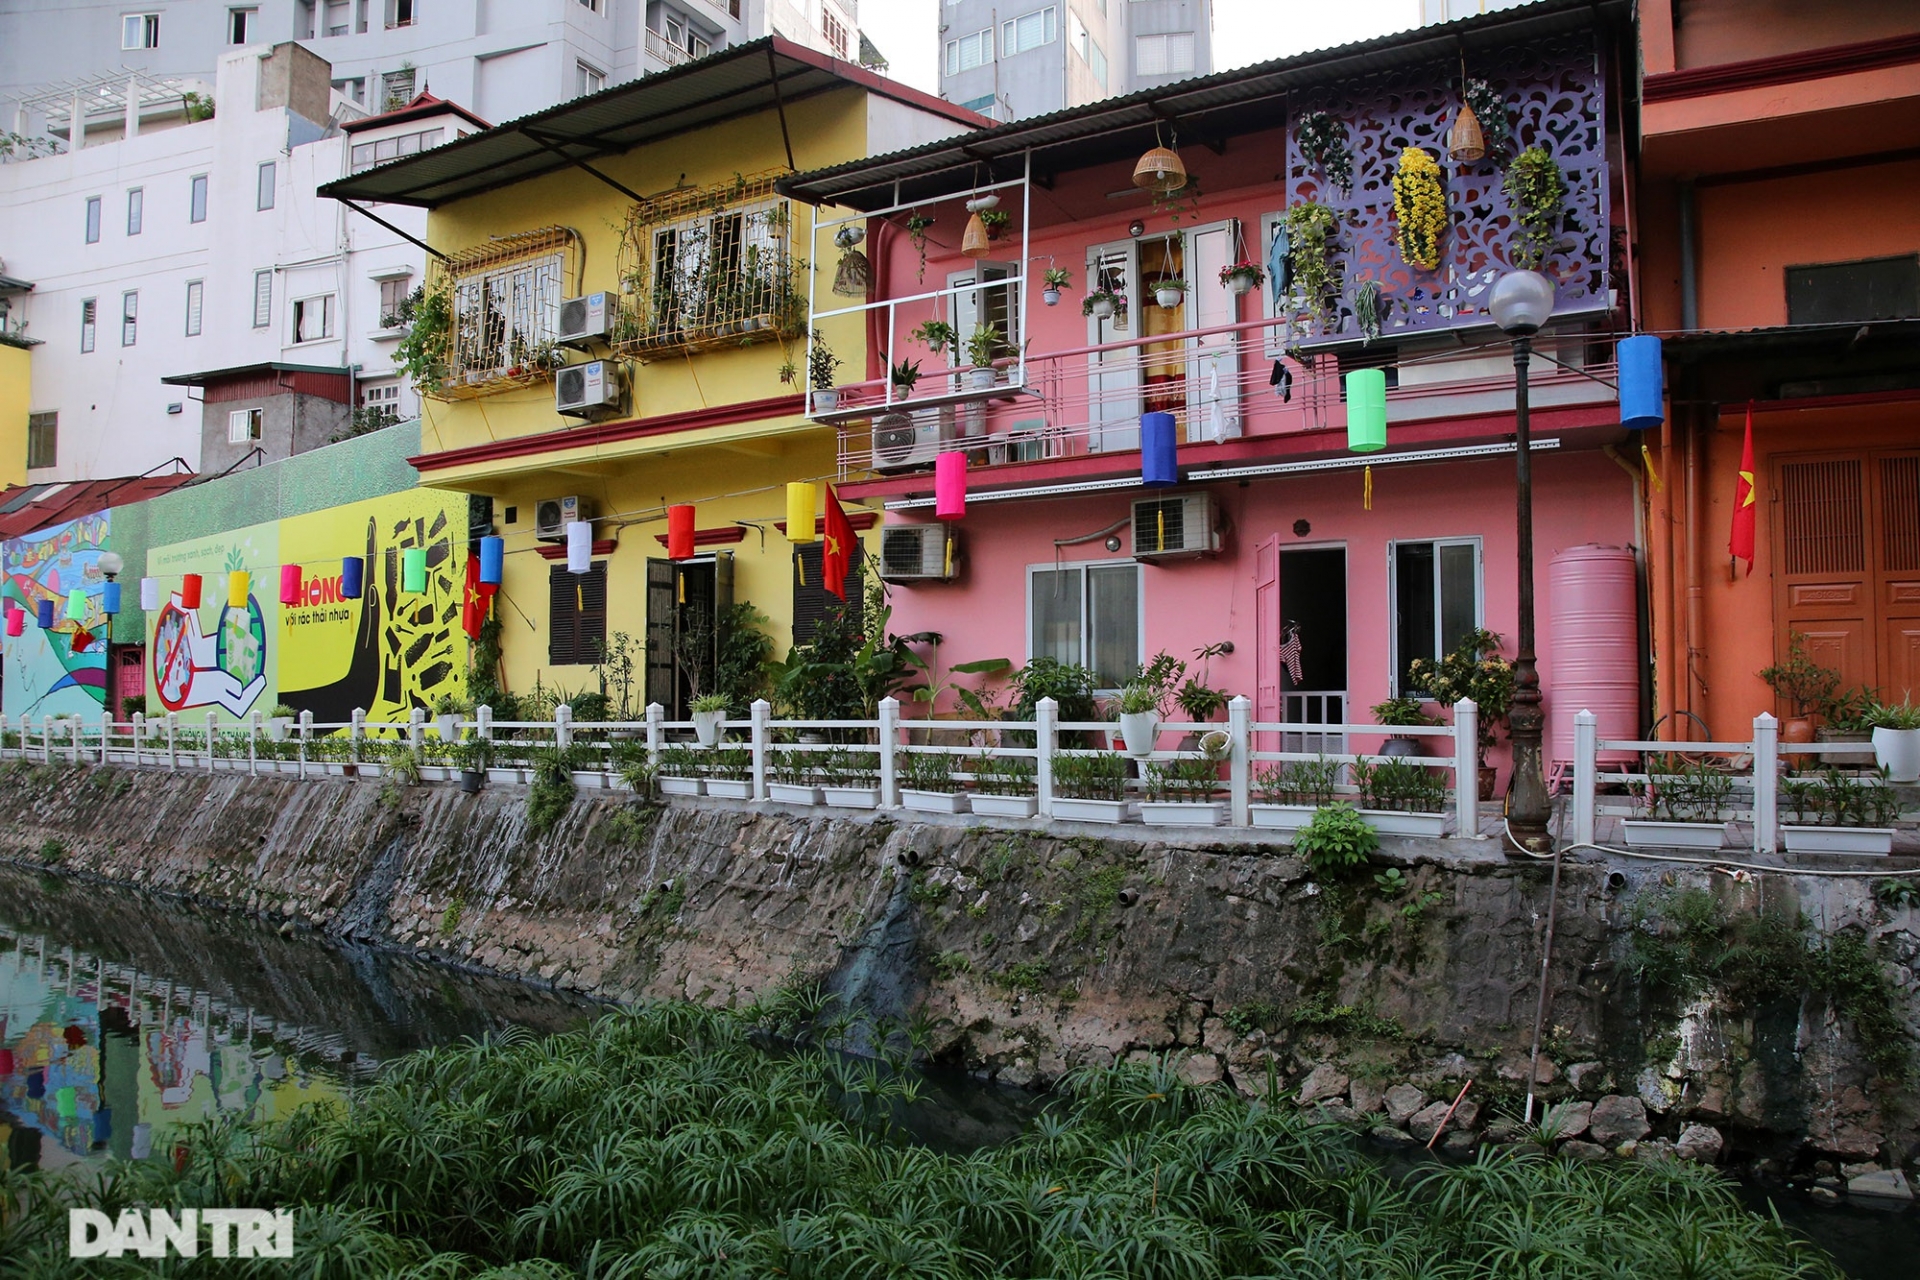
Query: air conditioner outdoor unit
x: 905, y: 442
x: 588, y: 319
x: 551, y: 516
x: 587, y: 390
x: 1179, y: 524
x: 916, y: 553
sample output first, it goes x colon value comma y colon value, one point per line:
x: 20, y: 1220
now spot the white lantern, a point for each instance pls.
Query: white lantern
x: 579, y: 546
x: 149, y: 594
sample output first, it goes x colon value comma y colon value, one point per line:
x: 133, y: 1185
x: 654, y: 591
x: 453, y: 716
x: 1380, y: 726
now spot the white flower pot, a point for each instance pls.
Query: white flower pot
x: 1240, y: 286
x: 1169, y: 298
x: 1139, y: 730
x: 933, y: 801
x: 826, y: 401
x: 1898, y: 752
x: 1183, y: 813
x: 449, y: 727
x: 506, y: 776
x: 591, y: 780
x: 1050, y: 296
x: 1281, y: 817
x: 1003, y: 806
x: 982, y: 378
x: 279, y: 727
x: 1868, y: 840
x: 1392, y: 822
x: 428, y: 772
x: 793, y: 793
x: 851, y: 797
x: 1070, y: 810
x: 730, y: 788
x: 670, y: 786
x: 706, y: 726
x: 1644, y: 833
x: 1101, y: 309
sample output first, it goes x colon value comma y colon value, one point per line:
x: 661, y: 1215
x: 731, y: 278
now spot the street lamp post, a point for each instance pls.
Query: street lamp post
x: 111, y: 565
x: 1521, y: 302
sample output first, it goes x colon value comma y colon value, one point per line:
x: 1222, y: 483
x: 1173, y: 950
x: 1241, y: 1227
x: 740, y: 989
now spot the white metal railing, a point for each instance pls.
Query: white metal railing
x: 600, y: 753
x: 664, y: 50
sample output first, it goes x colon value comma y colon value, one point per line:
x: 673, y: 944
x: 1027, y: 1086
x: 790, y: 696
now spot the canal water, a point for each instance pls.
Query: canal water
x: 124, y: 1016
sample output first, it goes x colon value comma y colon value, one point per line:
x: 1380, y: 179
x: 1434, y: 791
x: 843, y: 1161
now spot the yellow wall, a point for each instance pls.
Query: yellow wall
x: 16, y: 399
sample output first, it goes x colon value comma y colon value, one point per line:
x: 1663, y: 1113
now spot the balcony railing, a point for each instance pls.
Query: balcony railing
x: 665, y: 51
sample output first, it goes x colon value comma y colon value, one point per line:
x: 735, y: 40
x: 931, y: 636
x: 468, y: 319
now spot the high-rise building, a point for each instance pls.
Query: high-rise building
x: 1029, y: 57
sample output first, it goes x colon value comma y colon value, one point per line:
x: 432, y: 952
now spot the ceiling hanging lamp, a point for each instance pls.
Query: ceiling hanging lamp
x: 1466, y: 142
x: 1160, y: 168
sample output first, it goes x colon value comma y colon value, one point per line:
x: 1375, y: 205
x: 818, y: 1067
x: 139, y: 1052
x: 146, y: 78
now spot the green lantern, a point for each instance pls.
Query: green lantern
x: 77, y: 605
x: 1367, y: 410
x: 413, y: 570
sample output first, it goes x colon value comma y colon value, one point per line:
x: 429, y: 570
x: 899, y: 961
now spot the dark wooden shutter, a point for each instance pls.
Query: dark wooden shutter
x: 577, y: 615
x: 660, y: 613
x: 811, y: 600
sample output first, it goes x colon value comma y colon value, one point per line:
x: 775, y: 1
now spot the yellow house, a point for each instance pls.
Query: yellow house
x: 615, y: 323
x: 16, y: 404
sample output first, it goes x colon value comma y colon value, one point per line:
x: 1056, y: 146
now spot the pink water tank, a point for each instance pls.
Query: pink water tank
x: 1592, y: 598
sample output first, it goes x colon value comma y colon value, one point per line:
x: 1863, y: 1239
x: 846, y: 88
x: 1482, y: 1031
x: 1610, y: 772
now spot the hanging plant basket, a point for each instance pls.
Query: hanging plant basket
x: 1420, y: 208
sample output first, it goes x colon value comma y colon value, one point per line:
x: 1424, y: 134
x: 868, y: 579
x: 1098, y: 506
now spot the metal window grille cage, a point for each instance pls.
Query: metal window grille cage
x: 709, y: 267
x: 503, y: 306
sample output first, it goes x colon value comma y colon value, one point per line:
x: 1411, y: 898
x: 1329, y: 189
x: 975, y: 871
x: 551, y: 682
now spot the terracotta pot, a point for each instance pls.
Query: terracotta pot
x: 1488, y: 781
x: 1796, y: 729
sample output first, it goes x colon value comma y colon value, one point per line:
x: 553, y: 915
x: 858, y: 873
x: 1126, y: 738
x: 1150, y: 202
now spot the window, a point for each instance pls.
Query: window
x: 136, y: 208
x: 263, y: 184
x: 969, y: 52
x: 393, y: 300
x: 995, y: 306
x: 719, y: 259
x: 1163, y: 55
x: 93, y: 219
x: 140, y: 31
x: 339, y: 17
x: 590, y: 4
x: 1029, y: 31
x: 812, y: 602
x: 243, y: 425
x: 1084, y: 45
x: 354, y: 90
x: 129, y: 317
x: 1436, y: 600
x: 43, y: 438
x: 197, y: 198
x: 381, y: 396
x: 396, y: 88
x: 501, y: 314
x: 262, y: 299
x: 1097, y: 59
x: 587, y: 79
x: 368, y: 154
x: 1087, y: 614
x: 313, y: 318
x: 986, y: 104
x: 400, y: 14
x: 240, y: 25
x: 835, y: 31
x: 1850, y: 292
x: 89, y: 312
x: 576, y: 614
x: 196, y: 292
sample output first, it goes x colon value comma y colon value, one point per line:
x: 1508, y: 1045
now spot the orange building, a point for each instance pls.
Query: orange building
x: 1778, y: 247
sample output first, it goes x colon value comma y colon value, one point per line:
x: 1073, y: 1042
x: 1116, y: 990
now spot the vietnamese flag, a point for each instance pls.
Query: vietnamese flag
x: 836, y: 550
x: 1740, y: 544
x: 475, y: 603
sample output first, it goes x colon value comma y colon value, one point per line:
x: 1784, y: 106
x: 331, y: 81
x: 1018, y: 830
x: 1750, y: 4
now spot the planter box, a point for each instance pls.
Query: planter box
x: 292, y: 767
x: 852, y: 797
x: 333, y: 768
x: 1643, y: 833
x: 1391, y: 822
x: 1090, y: 810
x: 933, y: 801
x: 1183, y: 813
x: 730, y: 788
x: 793, y: 793
x: 1848, y: 759
x: 1877, y: 841
x: 509, y: 776
x: 593, y: 780
x: 435, y: 773
x: 670, y: 786
x: 369, y: 769
x: 1003, y: 806
x: 1282, y: 817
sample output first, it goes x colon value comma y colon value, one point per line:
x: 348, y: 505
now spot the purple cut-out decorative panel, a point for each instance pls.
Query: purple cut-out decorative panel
x: 1555, y: 94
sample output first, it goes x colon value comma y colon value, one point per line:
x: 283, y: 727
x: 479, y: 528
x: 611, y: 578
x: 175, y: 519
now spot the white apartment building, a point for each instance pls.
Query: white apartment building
x: 1014, y: 58
x: 178, y: 252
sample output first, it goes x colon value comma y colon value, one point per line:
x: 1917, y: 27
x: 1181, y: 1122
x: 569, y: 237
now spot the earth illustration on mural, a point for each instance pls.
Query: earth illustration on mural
x: 241, y: 642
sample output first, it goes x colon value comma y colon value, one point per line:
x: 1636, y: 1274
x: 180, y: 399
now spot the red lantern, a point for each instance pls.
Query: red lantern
x: 680, y: 532
x: 190, y: 591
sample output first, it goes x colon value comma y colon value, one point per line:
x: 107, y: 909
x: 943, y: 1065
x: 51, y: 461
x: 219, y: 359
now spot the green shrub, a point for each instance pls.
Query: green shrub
x: 1337, y: 839
x: 1098, y: 775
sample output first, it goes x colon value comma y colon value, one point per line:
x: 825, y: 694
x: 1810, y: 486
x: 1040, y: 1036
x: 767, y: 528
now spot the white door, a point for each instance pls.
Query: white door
x: 1113, y: 377
x: 1213, y: 361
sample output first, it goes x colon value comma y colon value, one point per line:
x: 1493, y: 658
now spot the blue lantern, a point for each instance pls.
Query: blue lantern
x: 43, y: 614
x: 1640, y: 388
x: 353, y: 571
x: 110, y: 598
x: 102, y: 1125
x: 493, y: 555
x: 1159, y: 463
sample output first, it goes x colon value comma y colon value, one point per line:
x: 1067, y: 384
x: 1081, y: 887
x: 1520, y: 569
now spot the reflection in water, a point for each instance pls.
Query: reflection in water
x: 121, y: 1018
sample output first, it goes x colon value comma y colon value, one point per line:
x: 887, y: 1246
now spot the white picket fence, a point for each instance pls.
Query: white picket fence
x: 358, y: 747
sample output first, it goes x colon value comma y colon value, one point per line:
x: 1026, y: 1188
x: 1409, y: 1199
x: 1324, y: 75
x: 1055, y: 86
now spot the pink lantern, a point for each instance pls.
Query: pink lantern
x: 16, y: 620
x: 950, y: 486
x: 289, y: 584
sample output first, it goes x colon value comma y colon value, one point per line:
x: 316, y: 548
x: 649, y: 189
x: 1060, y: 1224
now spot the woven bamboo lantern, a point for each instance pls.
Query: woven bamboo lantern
x: 1465, y: 142
x: 974, y: 243
x: 1160, y: 170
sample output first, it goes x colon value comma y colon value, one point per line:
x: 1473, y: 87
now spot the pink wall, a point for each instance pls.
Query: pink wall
x: 1580, y: 497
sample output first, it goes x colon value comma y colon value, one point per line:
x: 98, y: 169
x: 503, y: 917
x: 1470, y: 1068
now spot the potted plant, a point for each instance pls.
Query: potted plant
x: 1833, y: 811
x: 590, y: 772
x: 1803, y: 683
x: 1143, y: 700
x: 506, y: 763
x: 472, y: 758
x: 679, y: 771
x: 822, y: 365
x: 917, y: 224
x: 1896, y: 739
x: 1684, y: 801
x: 1003, y: 786
x: 982, y: 344
x: 1090, y: 787
x: 1401, y: 712
x: 849, y: 779
x: 1537, y: 196
x: 1399, y: 798
x: 1169, y: 291
x: 1474, y: 670
x: 903, y: 376
x: 995, y: 221
x: 433, y: 761
x: 1053, y: 281
x: 709, y: 717
x: 280, y: 722
x: 1180, y: 793
x: 728, y: 773
x: 1291, y: 793
x: 1103, y: 304
x: 792, y: 778
x: 1843, y: 718
x: 938, y: 335
x: 928, y: 784
x: 1243, y: 277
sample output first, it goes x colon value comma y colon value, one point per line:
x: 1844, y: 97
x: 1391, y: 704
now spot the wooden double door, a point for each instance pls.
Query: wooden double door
x: 1846, y: 528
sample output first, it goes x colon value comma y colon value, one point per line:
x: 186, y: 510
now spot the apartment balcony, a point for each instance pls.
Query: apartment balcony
x: 664, y: 52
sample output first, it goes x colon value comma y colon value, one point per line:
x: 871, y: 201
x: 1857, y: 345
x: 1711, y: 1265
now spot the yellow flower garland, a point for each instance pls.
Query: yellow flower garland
x: 1420, y: 205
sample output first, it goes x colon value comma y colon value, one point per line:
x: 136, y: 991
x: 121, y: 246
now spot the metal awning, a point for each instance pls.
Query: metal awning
x: 250, y: 370
x: 747, y: 79
x: 1206, y: 110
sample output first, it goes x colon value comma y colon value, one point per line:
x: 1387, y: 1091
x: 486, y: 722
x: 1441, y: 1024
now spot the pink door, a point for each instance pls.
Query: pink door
x: 1266, y: 639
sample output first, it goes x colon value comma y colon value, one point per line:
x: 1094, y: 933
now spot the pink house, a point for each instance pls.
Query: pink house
x: 1275, y: 530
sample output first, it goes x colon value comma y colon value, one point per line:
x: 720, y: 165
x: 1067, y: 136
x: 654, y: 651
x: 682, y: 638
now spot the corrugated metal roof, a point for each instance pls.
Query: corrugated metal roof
x: 1204, y: 110
x: 25, y: 509
x: 250, y: 370
x: 1867, y: 336
x: 744, y: 80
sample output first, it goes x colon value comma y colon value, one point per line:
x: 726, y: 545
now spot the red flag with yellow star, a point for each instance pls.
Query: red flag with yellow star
x: 836, y: 547
x: 1744, y: 497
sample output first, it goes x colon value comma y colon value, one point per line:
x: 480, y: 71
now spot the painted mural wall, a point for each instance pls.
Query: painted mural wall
x: 43, y: 674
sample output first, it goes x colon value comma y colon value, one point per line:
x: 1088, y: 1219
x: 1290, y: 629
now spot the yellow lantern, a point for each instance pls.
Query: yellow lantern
x: 803, y: 498
x: 238, y: 584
